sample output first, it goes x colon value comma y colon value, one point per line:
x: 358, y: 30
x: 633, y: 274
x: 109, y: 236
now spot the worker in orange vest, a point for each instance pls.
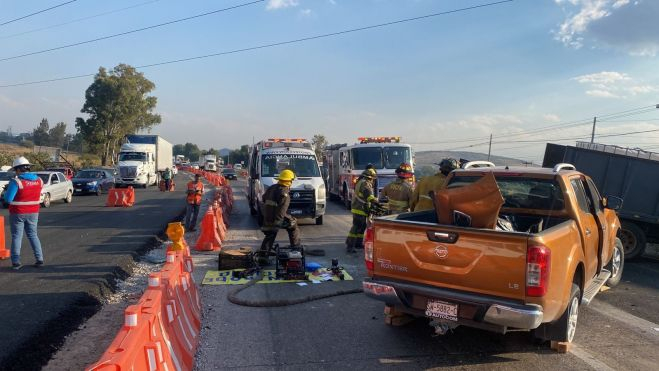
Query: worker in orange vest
x: 195, y: 191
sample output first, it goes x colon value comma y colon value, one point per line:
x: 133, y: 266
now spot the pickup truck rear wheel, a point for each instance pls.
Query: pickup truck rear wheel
x: 633, y: 239
x: 616, y: 264
x: 566, y: 326
x: 319, y: 220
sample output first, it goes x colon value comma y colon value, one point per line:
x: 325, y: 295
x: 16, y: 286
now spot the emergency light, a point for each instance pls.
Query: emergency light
x: 365, y: 140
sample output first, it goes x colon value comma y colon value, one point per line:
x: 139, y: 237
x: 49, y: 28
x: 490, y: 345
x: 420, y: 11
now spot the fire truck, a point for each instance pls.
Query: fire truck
x: 344, y: 163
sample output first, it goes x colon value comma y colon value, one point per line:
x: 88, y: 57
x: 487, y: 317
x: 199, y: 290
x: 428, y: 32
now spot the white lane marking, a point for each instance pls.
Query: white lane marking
x: 589, y: 359
x: 644, y: 326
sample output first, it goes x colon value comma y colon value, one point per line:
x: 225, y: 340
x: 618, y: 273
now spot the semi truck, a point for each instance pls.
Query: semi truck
x: 209, y: 163
x: 142, y: 158
x: 631, y: 174
x: 344, y: 163
x: 268, y: 158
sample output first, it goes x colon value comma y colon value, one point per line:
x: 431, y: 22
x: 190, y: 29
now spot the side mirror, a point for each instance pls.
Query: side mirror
x: 612, y: 202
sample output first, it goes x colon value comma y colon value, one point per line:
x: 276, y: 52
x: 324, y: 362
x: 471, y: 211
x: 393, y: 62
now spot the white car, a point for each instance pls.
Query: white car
x: 55, y: 187
x: 5, y: 177
x: 174, y: 170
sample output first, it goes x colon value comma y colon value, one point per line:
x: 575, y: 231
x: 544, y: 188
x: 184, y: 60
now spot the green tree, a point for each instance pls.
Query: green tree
x: 178, y: 149
x: 57, y: 135
x: 319, y: 142
x: 238, y: 155
x: 117, y: 103
x: 40, y: 134
x: 191, y: 151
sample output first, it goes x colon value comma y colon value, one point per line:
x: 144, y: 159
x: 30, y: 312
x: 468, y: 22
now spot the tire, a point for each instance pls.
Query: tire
x: 346, y: 200
x: 46, y: 200
x: 252, y: 210
x: 319, y: 220
x: 633, y: 240
x: 616, y: 265
x: 69, y: 197
x: 566, y: 326
x: 99, y: 191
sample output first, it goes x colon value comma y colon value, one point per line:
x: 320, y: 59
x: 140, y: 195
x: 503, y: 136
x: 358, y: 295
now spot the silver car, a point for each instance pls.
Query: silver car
x: 55, y: 187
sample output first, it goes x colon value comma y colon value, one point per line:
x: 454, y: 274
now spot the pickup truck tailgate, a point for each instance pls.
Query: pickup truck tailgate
x: 473, y: 260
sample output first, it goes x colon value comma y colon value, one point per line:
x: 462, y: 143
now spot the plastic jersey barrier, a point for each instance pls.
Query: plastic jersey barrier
x: 121, y: 197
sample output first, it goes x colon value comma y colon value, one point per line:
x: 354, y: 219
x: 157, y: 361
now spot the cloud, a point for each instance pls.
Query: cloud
x: 625, y: 25
x: 306, y: 13
x: 11, y: 103
x: 550, y: 117
x: 281, y: 4
x: 611, y: 84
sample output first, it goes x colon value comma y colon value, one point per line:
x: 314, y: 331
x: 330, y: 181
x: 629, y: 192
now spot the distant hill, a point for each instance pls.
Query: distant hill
x: 425, y: 161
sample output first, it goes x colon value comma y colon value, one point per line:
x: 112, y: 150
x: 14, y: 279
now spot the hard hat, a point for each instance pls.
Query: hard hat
x: 404, y: 170
x: 20, y: 161
x: 369, y: 173
x: 448, y: 164
x: 286, y: 175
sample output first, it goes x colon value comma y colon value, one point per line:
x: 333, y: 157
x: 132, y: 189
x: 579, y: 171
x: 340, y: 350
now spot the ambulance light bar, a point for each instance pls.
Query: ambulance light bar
x: 286, y: 142
x: 364, y: 140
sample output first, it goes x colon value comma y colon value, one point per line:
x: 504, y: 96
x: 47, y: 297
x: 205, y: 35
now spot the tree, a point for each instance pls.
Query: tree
x: 178, y: 149
x: 192, y: 151
x: 57, y: 135
x: 40, y: 134
x: 117, y: 103
x: 238, y: 155
x: 319, y: 142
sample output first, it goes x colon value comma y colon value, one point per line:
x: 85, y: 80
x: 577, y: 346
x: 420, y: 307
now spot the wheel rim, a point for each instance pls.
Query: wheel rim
x: 46, y: 200
x: 572, y: 319
x: 616, y: 262
x: 628, y: 240
x: 69, y: 197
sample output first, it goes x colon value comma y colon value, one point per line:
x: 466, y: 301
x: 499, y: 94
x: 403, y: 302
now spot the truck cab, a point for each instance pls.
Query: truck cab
x: 268, y: 158
x: 137, y: 165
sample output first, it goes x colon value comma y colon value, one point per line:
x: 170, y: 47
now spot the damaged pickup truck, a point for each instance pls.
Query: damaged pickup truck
x: 506, y: 249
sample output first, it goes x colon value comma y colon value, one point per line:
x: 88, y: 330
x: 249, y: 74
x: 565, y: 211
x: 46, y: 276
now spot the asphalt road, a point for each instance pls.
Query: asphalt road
x: 86, y: 248
x: 619, y: 330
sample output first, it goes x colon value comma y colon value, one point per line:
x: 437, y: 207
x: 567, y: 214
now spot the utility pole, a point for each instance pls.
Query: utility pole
x: 592, y: 136
x: 489, y: 149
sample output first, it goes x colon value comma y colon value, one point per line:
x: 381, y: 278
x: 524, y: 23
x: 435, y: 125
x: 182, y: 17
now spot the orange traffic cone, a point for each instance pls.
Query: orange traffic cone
x: 4, y: 253
x: 209, y: 240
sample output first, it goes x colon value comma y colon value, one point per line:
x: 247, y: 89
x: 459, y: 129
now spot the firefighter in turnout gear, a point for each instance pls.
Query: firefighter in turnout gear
x: 399, y: 192
x: 275, y: 214
x: 421, y: 199
x: 362, y: 199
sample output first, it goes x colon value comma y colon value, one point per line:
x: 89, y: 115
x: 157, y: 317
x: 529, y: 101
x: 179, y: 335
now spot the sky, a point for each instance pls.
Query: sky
x: 525, y: 71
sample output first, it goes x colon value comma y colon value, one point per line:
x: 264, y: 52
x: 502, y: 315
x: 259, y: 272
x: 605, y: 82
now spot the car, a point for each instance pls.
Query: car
x: 5, y: 177
x: 194, y: 165
x: 229, y: 174
x: 93, y: 181
x: 55, y: 187
x: 174, y: 170
x: 67, y: 171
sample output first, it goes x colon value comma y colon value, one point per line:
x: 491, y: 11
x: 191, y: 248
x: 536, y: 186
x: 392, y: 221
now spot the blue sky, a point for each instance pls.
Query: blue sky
x: 501, y: 70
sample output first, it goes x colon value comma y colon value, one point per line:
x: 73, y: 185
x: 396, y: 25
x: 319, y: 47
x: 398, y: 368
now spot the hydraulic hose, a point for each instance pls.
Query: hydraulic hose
x: 233, y: 296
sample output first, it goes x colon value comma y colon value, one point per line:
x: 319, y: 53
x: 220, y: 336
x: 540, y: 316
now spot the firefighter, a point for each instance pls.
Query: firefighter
x: 421, y: 199
x: 275, y: 214
x: 399, y: 192
x: 362, y: 199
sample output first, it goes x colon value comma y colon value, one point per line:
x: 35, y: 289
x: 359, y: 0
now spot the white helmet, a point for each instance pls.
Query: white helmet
x: 20, y: 161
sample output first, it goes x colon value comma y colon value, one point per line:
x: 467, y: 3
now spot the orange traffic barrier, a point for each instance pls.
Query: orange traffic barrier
x: 219, y: 220
x: 121, y: 197
x: 209, y: 240
x: 161, y: 185
x: 4, y: 252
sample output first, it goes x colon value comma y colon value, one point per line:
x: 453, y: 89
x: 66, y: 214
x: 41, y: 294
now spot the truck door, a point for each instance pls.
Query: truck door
x: 588, y: 226
x: 598, y: 210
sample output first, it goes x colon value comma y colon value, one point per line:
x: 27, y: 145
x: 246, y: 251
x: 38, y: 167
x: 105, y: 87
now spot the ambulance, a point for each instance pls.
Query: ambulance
x: 268, y: 158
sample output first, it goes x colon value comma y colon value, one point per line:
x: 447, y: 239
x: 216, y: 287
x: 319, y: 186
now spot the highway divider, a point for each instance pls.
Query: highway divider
x: 161, y: 331
x: 124, y: 197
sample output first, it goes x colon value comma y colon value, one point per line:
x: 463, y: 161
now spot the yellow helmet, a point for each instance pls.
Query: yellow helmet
x: 369, y: 173
x: 286, y: 176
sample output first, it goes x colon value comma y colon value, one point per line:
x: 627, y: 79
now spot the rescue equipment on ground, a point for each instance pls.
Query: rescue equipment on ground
x: 289, y: 263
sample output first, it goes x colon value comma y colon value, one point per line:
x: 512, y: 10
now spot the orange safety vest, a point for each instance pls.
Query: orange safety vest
x: 194, y: 197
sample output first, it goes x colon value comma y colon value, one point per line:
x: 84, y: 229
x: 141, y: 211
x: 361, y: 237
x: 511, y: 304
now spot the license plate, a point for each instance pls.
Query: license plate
x: 78, y: 190
x: 442, y: 310
x: 296, y: 212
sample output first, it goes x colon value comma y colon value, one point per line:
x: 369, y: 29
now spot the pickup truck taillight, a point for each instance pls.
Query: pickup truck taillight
x: 538, y: 263
x: 369, y: 237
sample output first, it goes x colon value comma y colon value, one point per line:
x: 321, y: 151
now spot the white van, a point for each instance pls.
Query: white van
x: 268, y: 158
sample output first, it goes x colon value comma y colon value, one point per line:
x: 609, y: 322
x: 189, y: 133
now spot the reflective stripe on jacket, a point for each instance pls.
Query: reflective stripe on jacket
x: 27, y: 197
x: 399, y: 193
x: 361, y: 200
x: 195, y: 191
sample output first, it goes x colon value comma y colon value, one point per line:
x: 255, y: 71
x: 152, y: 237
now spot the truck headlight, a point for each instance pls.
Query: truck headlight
x: 321, y: 192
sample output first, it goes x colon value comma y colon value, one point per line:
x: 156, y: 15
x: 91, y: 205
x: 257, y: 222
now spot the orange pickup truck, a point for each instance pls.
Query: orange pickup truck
x: 551, y: 249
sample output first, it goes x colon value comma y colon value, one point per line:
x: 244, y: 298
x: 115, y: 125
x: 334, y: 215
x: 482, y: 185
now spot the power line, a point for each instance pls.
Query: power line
x: 78, y: 20
x: 281, y: 43
x: 35, y: 13
x: 131, y: 31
